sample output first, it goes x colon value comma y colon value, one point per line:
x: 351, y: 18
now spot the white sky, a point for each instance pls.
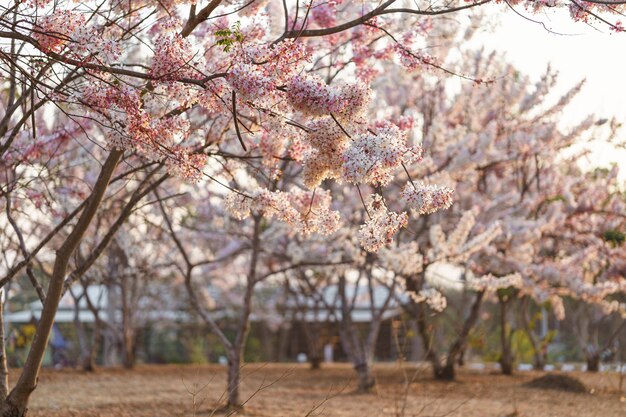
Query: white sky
x: 598, y: 55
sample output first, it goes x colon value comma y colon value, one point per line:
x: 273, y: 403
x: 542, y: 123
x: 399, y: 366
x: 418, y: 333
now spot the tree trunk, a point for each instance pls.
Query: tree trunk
x: 128, y: 357
x: 88, y: 360
x: 506, y: 356
x: 460, y: 344
x: 110, y: 334
x: 539, y: 361
x: 283, y: 342
x: 16, y: 404
x: 234, y: 379
x: 312, y: 334
x: 414, y: 341
x: 235, y: 356
x: 444, y: 372
x: 461, y: 359
x: 366, y: 380
x: 539, y: 355
x: 418, y: 312
x: 593, y: 362
x: 127, y: 285
x: 4, y: 370
x: 267, y: 340
x: 86, y: 351
x: 361, y: 353
x: 428, y: 342
x: 128, y: 331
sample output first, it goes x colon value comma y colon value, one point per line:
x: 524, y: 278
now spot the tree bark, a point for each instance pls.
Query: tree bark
x: 86, y: 351
x: 4, y: 370
x: 361, y: 353
x: 313, y: 335
x: 236, y: 354
x: 593, y: 362
x: 418, y: 311
x: 428, y: 343
x: 539, y: 355
x: 366, y: 379
x: 128, y: 330
x: 506, y: 356
x: 16, y: 404
x: 283, y: 342
x: 234, y: 380
x: 128, y: 357
x: 446, y: 370
x: 460, y: 343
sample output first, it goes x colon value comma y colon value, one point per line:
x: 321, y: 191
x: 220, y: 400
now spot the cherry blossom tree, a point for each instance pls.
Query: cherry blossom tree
x: 499, y: 147
x: 235, y: 257
x: 154, y: 92
x: 589, y: 266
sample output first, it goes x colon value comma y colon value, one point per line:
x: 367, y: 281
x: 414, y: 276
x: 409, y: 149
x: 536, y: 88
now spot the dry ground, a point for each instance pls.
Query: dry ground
x: 159, y: 391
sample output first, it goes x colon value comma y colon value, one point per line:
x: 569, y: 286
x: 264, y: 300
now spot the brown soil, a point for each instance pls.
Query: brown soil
x: 163, y: 391
x: 557, y: 382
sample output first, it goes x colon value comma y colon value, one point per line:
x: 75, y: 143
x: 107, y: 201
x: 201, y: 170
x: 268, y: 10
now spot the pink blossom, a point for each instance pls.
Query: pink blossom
x: 426, y: 198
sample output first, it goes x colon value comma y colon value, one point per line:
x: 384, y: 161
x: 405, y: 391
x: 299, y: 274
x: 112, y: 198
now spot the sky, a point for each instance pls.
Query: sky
x: 578, y: 52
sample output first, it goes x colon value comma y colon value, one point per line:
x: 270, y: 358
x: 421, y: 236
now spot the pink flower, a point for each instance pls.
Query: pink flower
x: 426, y: 199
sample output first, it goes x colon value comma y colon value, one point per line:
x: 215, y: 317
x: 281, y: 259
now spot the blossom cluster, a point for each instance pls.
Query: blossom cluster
x: 174, y: 57
x: 492, y: 283
x: 54, y: 31
x: 382, y: 225
x: 373, y: 158
x: 432, y: 297
x: 309, y: 94
x: 156, y: 138
x: 258, y: 71
x: 426, y: 198
x: 325, y: 158
x: 457, y: 247
x: 404, y: 259
x: 63, y: 29
x: 306, y: 211
x: 324, y: 14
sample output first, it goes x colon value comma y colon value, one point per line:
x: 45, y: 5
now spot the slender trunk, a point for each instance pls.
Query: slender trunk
x: 361, y: 352
x: 418, y: 311
x: 236, y: 354
x: 110, y: 347
x: 267, y: 340
x: 414, y: 340
x: 283, y: 342
x: 461, y: 359
x: 539, y: 355
x: 460, y: 344
x: 539, y: 360
x: 366, y: 379
x: 4, y: 370
x: 16, y: 403
x: 428, y: 343
x: 593, y: 362
x: 128, y: 334
x: 127, y: 285
x: 128, y: 345
x: 592, y: 355
x: 93, y: 345
x: 111, y: 340
x: 86, y: 351
x: 314, y: 345
x: 506, y: 356
x: 234, y: 379
x: 351, y: 341
x: 445, y: 372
